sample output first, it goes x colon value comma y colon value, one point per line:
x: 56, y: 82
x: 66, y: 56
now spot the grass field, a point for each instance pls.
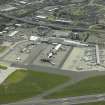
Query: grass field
x: 25, y: 84
x: 94, y: 103
x: 2, y: 48
x: 4, y: 67
x: 93, y: 85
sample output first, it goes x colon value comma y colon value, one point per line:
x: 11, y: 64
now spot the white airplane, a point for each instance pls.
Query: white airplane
x: 54, y: 50
x: 18, y: 59
x: 57, y: 47
x: 50, y: 55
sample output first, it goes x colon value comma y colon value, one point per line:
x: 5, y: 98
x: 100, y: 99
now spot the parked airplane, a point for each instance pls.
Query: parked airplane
x: 54, y: 50
x: 18, y: 59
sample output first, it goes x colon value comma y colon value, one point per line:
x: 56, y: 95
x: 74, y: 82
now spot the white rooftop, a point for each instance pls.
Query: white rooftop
x: 34, y: 38
x: 40, y: 16
x: 8, y: 9
x: 13, y: 33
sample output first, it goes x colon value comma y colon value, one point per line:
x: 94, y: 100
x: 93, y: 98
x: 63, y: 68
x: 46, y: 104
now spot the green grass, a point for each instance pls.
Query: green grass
x: 93, y: 85
x: 51, y: 18
x: 2, y: 48
x: 4, y: 67
x: 25, y: 84
x: 94, y: 103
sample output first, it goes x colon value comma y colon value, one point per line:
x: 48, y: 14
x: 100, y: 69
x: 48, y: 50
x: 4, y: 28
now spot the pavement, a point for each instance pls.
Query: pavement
x: 34, y: 53
x: 11, y: 49
x: 5, y: 73
x: 66, y: 101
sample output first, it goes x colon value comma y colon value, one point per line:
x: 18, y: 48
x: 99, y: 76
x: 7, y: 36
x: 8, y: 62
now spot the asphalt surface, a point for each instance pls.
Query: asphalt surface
x: 11, y: 49
x: 66, y: 101
x: 34, y: 53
